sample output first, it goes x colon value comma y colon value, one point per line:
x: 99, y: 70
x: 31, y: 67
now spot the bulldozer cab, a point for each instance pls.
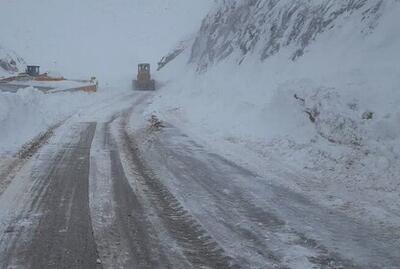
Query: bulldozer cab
x: 143, y: 72
x: 32, y: 70
x: 144, y: 81
x: 144, y: 68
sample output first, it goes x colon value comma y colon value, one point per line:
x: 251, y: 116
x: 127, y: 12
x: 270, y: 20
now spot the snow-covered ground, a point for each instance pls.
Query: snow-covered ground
x: 281, y: 135
x: 327, y: 122
x: 330, y: 116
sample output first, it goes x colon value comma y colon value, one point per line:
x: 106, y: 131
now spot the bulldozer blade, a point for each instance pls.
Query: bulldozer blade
x: 144, y: 86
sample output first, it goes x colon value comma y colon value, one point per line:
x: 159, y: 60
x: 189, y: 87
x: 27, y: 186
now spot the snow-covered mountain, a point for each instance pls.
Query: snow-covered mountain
x: 10, y: 62
x: 265, y: 27
x: 313, y: 83
x: 253, y: 48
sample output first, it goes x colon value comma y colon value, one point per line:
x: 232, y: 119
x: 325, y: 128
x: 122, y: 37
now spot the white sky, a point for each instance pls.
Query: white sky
x: 100, y: 37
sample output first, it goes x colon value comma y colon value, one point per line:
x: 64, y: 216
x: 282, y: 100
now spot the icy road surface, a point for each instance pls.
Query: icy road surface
x: 105, y: 194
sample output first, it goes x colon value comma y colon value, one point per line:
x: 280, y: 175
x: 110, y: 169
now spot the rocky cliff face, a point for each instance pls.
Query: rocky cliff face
x: 10, y: 62
x: 265, y: 27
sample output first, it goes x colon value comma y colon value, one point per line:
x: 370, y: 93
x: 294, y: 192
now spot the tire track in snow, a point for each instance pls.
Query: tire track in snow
x: 123, y: 233
x: 222, y: 185
x: 53, y: 228
x: 25, y: 153
x: 200, y: 249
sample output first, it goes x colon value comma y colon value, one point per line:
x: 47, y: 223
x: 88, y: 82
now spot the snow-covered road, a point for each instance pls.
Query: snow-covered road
x: 52, y: 226
x: 111, y: 191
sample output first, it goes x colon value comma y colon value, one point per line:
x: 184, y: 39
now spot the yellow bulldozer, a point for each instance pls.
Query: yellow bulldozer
x: 144, y: 81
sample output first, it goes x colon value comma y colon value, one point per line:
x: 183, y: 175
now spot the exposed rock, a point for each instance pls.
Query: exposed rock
x: 367, y: 115
x: 10, y: 67
x: 10, y: 62
x: 172, y: 55
x: 155, y: 123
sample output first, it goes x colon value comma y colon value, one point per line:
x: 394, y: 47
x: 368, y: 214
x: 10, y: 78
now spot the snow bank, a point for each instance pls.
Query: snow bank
x: 348, y: 141
x: 27, y: 113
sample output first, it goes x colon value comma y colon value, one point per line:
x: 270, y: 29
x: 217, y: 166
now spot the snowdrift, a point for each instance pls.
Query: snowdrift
x: 29, y: 112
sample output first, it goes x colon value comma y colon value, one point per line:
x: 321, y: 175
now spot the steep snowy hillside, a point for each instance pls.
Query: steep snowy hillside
x: 312, y: 84
x: 10, y: 62
x: 266, y: 27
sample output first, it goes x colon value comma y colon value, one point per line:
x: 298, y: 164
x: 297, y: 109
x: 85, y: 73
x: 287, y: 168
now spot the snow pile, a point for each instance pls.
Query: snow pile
x: 29, y: 112
x: 10, y: 62
x: 332, y: 111
x: 341, y: 140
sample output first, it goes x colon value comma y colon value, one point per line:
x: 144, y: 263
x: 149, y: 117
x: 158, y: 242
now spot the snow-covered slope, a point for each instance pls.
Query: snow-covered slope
x: 315, y: 84
x: 265, y: 27
x: 10, y: 62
